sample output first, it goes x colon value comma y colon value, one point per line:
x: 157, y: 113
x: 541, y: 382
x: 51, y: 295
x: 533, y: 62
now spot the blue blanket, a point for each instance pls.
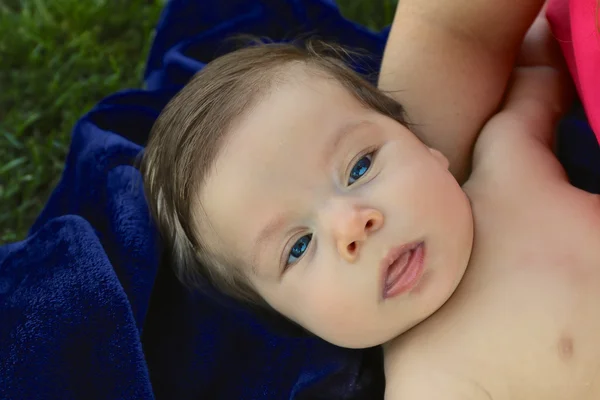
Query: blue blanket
x: 87, y: 309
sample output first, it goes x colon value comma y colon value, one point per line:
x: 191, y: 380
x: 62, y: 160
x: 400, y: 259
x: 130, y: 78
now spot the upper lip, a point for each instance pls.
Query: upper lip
x: 392, y: 255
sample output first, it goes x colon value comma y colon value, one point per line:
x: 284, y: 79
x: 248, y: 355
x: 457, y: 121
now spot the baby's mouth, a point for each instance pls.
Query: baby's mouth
x: 403, y: 270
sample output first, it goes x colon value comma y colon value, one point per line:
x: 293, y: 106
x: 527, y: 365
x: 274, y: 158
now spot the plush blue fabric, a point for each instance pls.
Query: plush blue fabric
x: 87, y: 311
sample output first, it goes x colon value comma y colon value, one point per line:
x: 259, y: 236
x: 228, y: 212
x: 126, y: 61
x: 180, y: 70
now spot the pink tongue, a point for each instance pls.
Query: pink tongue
x: 397, y: 268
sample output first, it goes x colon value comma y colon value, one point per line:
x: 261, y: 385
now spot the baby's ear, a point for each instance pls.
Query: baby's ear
x: 440, y: 157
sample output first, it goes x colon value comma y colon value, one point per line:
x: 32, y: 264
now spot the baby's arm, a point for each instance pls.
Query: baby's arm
x: 448, y: 62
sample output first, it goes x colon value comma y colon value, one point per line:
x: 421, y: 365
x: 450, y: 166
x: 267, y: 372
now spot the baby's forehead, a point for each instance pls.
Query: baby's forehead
x: 300, y: 71
x: 283, y: 89
x: 299, y: 74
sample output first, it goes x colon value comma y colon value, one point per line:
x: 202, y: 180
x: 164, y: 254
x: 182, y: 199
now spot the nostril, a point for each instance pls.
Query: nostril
x: 369, y: 224
x: 352, y: 247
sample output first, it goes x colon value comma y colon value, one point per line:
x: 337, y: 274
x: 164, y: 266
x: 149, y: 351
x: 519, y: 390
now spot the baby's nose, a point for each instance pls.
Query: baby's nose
x: 352, y: 227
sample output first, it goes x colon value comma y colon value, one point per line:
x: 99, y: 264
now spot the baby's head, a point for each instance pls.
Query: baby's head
x: 285, y: 179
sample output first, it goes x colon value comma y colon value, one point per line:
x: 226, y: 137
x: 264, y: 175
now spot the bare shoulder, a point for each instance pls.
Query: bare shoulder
x: 518, y: 142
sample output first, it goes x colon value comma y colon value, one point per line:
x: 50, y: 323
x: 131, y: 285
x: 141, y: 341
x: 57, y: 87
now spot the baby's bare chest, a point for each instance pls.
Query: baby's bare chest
x: 533, y: 326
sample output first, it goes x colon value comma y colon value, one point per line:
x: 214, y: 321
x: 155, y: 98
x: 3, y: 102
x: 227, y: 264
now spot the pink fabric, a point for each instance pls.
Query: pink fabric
x: 576, y: 25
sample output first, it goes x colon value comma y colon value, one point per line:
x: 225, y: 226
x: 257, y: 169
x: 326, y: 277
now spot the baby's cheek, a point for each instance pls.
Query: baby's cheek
x: 332, y: 312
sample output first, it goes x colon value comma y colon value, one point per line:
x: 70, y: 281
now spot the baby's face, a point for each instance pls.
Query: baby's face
x: 316, y: 195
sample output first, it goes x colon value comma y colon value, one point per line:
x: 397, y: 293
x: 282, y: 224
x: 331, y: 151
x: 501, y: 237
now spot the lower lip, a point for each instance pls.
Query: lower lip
x: 410, y: 276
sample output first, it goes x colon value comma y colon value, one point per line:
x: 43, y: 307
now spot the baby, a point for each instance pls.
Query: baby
x: 287, y: 181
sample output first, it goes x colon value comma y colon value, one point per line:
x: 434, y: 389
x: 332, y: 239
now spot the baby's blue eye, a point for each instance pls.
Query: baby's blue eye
x: 360, y: 168
x: 298, y: 250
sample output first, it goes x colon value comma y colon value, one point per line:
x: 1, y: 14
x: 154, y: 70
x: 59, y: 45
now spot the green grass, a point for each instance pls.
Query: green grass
x: 57, y: 59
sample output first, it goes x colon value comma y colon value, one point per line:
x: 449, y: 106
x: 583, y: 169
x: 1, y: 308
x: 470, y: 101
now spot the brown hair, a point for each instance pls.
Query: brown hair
x: 188, y: 134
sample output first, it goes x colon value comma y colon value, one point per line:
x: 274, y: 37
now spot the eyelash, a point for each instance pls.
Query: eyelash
x: 371, y: 152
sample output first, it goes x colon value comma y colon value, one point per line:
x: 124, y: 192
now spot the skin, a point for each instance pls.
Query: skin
x: 407, y: 195
x: 523, y: 322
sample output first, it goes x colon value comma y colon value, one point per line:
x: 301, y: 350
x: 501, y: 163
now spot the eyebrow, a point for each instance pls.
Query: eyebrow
x: 277, y: 222
x: 340, y: 135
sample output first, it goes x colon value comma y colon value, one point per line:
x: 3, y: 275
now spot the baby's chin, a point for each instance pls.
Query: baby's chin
x: 363, y: 343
